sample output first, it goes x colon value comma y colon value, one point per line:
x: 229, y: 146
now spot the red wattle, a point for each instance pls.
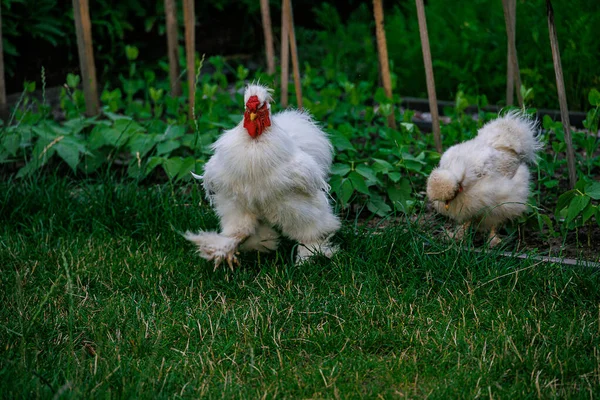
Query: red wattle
x: 261, y: 122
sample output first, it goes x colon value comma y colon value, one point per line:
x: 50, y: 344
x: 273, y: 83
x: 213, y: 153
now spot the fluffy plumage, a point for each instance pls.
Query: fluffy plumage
x: 266, y: 176
x: 485, y: 180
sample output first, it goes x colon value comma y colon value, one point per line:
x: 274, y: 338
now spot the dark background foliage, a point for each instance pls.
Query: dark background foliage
x: 467, y: 39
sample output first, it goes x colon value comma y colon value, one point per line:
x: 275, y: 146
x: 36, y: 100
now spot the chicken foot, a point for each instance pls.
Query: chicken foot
x: 494, y: 239
x: 460, y: 232
x: 217, y: 247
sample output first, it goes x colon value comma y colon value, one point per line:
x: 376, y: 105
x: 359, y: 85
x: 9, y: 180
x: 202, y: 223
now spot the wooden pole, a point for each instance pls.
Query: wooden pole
x: 510, y: 18
x: 383, y: 56
x: 3, y: 106
x: 189, y: 18
x: 172, y: 47
x: 510, y: 72
x: 268, y: 33
x: 285, y: 54
x: 83, y: 27
x: 562, y: 96
x: 433, y: 107
x: 294, y: 51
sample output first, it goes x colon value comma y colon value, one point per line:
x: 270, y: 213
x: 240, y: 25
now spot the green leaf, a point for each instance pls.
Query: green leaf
x: 69, y: 153
x: 172, y: 166
x: 564, y: 200
x: 400, y: 195
x: 367, y: 172
x: 141, y: 143
x: 173, y: 132
x: 576, y: 206
x: 377, y: 205
x: 358, y: 182
x: 167, y: 147
x: 341, y: 143
x: 381, y: 166
x: 345, y: 192
x: 340, y: 169
x: 593, y: 190
x: 594, y: 97
x: 588, y: 212
x: 395, y: 176
x: 188, y: 165
x: 73, y: 80
x: 11, y: 142
x: 410, y: 127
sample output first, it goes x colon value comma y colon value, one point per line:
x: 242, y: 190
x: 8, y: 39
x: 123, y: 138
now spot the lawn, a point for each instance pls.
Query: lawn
x: 103, y: 297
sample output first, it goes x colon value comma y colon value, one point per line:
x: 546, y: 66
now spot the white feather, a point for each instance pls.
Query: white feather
x: 278, y: 179
x: 492, y: 171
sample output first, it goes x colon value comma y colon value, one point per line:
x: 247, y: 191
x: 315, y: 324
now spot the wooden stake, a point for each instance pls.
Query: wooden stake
x: 189, y: 18
x: 172, y: 47
x: 433, y: 106
x: 383, y: 56
x: 562, y: 96
x: 285, y: 53
x: 83, y: 27
x: 3, y: 106
x: 510, y: 72
x: 268, y: 33
x: 294, y: 51
x: 510, y: 19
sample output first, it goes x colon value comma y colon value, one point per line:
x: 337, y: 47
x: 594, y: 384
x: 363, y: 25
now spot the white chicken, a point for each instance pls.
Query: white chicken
x: 485, y: 180
x: 269, y: 172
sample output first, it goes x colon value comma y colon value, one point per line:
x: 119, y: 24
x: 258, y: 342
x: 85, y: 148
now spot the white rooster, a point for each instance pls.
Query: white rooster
x: 269, y: 172
x: 485, y: 180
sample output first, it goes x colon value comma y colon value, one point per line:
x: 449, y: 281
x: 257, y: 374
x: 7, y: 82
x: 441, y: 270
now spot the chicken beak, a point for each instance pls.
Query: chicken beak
x: 447, y: 205
x: 252, y: 116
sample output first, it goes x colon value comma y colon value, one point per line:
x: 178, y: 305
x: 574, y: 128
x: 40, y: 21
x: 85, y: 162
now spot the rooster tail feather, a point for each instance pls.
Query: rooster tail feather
x: 514, y: 131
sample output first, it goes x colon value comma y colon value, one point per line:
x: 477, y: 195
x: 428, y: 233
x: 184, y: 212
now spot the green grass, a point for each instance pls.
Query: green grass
x: 102, y: 297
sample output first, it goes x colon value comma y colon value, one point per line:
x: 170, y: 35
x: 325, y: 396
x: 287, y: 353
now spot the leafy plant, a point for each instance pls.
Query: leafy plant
x: 578, y: 207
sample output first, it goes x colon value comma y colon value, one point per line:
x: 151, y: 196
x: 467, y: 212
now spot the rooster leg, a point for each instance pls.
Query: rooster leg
x: 307, y: 250
x: 460, y: 232
x: 494, y: 239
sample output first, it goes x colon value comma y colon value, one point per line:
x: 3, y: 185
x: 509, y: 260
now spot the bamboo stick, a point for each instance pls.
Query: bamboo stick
x: 510, y: 72
x: 383, y: 56
x: 83, y: 27
x: 3, y: 106
x: 268, y: 33
x: 510, y: 21
x: 189, y: 18
x: 172, y: 47
x: 562, y: 96
x: 433, y: 107
x: 294, y: 51
x: 285, y: 54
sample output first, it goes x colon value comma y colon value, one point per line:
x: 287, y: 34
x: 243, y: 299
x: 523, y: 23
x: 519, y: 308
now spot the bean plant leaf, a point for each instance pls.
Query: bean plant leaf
x: 358, y: 182
x: 588, y: 212
x: 167, y: 147
x: 345, y: 191
x: 576, y: 207
x: 381, y: 166
x: 377, y: 205
x: 69, y: 153
x: 594, y: 97
x: 340, y: 169
x: 564, y: 200
x: 11, y: 143
x: 395, y: 176
x: 188, y: 165
x: 342, y: 143
x: 367, y: 172
x: 172, y: 166
x: 593, y: 190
